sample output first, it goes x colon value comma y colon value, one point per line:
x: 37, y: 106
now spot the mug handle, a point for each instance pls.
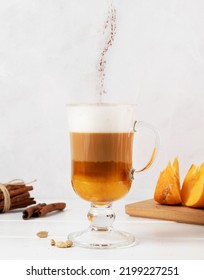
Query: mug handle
x: 139, y: 125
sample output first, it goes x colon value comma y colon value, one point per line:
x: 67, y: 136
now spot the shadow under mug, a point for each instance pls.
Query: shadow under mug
x: 101, y: 139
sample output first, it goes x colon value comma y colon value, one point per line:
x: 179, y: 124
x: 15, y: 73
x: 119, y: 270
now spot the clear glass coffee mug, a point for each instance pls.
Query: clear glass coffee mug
x: 101, y: 139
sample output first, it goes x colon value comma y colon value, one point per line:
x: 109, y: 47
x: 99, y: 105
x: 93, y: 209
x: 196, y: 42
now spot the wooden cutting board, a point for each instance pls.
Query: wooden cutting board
x: 151, y: 209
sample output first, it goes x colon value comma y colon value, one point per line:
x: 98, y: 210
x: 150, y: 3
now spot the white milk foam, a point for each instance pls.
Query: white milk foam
x: 101, y: 118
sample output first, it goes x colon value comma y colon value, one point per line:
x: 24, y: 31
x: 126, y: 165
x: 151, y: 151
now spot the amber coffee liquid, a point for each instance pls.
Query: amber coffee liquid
x: 101, y: 164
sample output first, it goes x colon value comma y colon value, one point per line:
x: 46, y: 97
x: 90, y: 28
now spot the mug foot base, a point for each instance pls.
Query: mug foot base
x: 103, y: 239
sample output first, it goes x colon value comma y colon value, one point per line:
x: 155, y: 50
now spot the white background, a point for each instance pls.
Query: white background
x: 48, y: 55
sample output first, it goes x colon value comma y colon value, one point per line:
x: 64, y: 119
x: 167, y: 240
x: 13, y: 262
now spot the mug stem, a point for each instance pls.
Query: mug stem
x: 101, y: 217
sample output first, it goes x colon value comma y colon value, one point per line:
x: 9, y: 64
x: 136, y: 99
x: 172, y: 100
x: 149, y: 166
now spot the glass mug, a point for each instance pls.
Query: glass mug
x: 101, y: 139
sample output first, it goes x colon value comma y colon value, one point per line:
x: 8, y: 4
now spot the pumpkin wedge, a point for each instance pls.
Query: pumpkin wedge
x: 192, y: 192
x: 167, y: 190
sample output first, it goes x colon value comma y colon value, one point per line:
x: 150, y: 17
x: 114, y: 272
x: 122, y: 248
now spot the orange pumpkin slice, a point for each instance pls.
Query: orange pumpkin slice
x: 192, y: 192
x: 167, y: 190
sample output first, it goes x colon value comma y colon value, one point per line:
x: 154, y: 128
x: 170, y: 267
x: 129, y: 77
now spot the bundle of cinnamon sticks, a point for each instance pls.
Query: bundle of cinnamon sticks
x: 15, y: 195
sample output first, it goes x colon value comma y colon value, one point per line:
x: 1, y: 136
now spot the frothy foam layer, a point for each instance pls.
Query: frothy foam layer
x: 101, y: 118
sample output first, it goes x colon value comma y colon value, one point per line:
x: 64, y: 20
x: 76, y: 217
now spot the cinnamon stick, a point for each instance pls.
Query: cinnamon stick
x: 42, y: 209
x: 32, y: 211
x: 19, y: 197
x: 51, y: 207
x: 14, y: 187
x: 24, y: 203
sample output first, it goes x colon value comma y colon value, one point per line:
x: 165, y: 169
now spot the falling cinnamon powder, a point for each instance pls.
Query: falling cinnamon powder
x: 109, y: 32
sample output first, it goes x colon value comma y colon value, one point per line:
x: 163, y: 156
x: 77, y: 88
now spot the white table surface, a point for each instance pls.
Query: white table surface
x: 157, y: 239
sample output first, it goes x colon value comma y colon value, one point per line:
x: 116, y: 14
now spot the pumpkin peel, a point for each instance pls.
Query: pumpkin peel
x: 192, y: 192
x: 167, y: 189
